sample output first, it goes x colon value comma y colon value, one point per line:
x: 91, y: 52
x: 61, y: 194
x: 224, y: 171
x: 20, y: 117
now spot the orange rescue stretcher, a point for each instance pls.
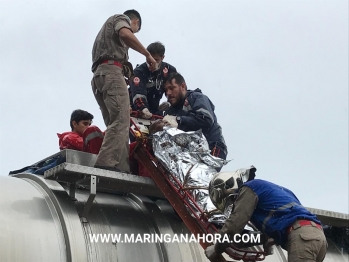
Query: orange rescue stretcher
x: 192, y: 215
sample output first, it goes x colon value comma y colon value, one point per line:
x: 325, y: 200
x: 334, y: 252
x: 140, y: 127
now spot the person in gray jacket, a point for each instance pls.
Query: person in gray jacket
x: 191, y: 110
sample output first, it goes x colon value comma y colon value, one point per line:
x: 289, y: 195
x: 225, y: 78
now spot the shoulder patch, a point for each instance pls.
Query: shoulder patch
x: 186, y: 103
x: 136, y: 81
x: 165, y: 71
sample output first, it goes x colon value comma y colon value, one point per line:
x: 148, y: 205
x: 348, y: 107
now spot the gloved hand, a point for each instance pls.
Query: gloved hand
x: 164, y: 106
x: 212, y: 255
x: 170, y: 121
x: 146, y: 114
x: 268, y: 246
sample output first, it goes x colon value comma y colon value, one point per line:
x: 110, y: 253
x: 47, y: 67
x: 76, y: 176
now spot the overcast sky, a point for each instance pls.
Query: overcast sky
x: 277, y: 72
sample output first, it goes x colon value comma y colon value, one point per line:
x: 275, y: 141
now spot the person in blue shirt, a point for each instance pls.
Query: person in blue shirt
x: 274, y: 210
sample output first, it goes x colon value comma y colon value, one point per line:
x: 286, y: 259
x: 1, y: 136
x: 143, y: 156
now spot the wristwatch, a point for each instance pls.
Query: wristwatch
x: 178, y: 119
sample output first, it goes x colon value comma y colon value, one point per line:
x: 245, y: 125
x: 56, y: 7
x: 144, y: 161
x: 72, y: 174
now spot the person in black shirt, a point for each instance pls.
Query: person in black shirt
x: 147, y: 87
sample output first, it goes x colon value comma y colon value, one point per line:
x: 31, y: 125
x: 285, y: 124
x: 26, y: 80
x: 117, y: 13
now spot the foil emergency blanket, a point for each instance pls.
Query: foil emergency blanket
x: 187, y: 156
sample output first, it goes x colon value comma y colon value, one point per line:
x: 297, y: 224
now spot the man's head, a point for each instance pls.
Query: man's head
x: 136, y: 20
x: 156, y: 126
x: 157, y: 51
x: 80, y: 120
x: 175, y: 89
x: 224, y: 186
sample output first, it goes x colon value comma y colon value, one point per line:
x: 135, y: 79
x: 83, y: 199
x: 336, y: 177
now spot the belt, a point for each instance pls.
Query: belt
x: 304, y: 223
x: 112, y: 62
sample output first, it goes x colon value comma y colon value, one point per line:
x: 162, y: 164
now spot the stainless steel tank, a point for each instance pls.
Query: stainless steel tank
x: 39, y: 221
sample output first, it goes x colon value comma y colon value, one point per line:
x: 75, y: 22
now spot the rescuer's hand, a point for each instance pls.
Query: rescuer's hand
x: 146, y: 114
x: 170, y: 121
x: 212, y: 255
x: 151, y: 62
x: 268, y: 246
x: 164, y: 106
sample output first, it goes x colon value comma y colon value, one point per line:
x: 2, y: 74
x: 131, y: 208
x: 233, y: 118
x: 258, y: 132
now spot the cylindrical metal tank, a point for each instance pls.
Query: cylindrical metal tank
x: 40, y: 222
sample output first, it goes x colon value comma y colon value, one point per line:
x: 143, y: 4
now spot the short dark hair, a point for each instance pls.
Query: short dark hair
x: 133, y: 14
x: 156, y: 126
x: 156, y: 48
x: 79, y: 115
x: 177, y: 77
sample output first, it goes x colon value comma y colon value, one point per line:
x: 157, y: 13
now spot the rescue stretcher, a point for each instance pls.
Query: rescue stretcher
x: 192, y: 215
x: 76, y: 170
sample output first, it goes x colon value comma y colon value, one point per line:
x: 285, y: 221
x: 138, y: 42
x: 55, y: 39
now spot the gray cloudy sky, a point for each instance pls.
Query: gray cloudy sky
x: 277, y: 72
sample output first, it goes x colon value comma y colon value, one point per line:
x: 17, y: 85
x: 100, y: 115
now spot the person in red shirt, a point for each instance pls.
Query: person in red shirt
x: 88, y: 138
x: 83, y: 136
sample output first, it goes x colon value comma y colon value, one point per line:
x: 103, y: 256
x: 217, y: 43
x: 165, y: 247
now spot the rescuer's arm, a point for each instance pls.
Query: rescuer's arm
x: 139, y: 90
x: 200, y: 117
x: 244, y: 207
x: 72, y: 141
x: 131, y: 40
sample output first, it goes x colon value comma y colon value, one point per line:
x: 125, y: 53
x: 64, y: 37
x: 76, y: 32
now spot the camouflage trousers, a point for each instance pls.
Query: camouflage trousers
x: 110, y: 90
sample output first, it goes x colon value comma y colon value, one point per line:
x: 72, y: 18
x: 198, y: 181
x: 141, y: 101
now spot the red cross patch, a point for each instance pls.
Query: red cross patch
x: 165, y: 71
x: 136, y: 81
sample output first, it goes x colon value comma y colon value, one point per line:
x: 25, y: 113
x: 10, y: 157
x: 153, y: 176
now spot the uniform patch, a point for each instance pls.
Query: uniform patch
x: 136, y: 81
x: 165, y: 71
x: 186, y: 103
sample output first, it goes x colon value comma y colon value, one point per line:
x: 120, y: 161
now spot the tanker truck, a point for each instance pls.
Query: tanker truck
x: 77, y: 213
